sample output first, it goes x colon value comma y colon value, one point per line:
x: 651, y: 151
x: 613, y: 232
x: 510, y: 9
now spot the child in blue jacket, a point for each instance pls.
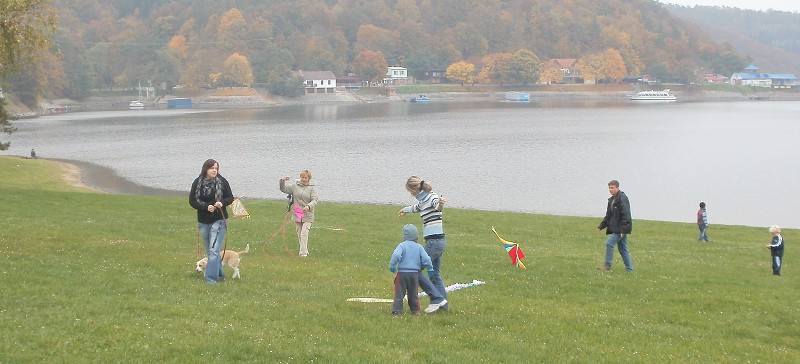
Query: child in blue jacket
x: 407, y: 260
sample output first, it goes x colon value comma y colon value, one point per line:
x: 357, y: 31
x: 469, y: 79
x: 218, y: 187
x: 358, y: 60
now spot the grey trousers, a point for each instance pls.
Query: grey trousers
x: 406, y: 284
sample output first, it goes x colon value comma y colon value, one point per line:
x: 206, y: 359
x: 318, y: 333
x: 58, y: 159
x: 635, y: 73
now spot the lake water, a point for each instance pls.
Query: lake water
x: 542, y: 157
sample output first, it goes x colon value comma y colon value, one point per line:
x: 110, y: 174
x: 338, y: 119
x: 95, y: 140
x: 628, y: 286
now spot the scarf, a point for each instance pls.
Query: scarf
x: 209, y: 187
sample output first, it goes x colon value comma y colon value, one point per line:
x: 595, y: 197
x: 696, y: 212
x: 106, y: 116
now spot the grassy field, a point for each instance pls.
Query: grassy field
x: 92, y: 277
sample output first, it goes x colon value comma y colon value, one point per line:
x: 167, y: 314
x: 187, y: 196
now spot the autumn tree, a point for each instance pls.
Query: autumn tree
x: 31, y: 80
x: 526, y: 67
x: 460, y: 71
x: 551, y: 73
x: 590, y: 67
x: 370, y: 66
x: 25, y: 29
x: 232, y: 27
x: 237, y: 70
x: 613, y: 65
x: 500, y: 69
x: 373, y: 37
x: 178, y: 43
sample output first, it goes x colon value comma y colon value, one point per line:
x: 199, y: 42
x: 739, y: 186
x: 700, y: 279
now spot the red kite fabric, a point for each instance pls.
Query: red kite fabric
x: 513, y: 250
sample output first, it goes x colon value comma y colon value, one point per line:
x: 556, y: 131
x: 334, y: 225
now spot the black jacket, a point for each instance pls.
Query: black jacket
x: 776, y: 246
x: 201, y: 204
x: 618, y: 215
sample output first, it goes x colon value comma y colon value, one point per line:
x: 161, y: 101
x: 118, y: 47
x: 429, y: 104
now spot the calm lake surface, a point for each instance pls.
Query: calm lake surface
x: 552, y: 157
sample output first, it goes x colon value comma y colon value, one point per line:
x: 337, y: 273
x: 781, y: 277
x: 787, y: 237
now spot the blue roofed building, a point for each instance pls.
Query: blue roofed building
x: 751, y: 77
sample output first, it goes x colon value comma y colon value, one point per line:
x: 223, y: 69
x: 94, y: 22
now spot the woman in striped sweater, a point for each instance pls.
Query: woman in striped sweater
x: 429, y: 206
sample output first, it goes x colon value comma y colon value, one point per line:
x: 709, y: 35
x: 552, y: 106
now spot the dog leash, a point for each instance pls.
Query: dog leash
x: 197, y: 233
x: 224, y: 242
x: 282, y: 230
x: 286, y: 217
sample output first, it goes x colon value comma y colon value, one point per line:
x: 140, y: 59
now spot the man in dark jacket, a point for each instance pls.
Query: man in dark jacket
x: 618, y: 225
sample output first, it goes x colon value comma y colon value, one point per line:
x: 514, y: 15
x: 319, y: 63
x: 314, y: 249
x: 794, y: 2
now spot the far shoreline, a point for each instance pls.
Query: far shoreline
x: 254, y: 99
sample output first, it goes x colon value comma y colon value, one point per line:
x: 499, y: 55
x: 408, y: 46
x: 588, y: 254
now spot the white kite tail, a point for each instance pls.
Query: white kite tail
x: 369, y: 299
x: 457, y: 286
x: 450, y: 288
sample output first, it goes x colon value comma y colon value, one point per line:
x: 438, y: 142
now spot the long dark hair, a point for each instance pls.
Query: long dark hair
x: 206, y: 166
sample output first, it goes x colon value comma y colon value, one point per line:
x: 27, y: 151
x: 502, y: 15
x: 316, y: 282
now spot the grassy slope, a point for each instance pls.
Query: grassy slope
x: 106, y: 278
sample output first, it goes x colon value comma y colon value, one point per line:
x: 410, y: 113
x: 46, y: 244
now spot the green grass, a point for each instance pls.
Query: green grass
x: 92, y: 277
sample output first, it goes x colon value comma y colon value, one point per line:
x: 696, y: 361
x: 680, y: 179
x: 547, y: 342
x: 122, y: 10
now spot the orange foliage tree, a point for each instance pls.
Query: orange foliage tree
x: 613, y: 65
x: 551, y: 73
x: 460, y: 71
x: 370, y: 66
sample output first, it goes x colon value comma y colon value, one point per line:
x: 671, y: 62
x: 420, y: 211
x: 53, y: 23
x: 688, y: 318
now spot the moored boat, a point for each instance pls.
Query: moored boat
x: 137, y: 104
x: 651, y: 95
x: 517, y: 96
x: 420, y: 98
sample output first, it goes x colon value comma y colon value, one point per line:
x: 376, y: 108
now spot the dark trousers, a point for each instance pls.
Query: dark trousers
x: 406, y: 284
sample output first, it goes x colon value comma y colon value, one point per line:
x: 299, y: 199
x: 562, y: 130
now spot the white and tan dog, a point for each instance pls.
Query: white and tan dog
x: 230, y: 257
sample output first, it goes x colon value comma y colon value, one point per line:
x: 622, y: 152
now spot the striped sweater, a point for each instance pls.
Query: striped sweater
x: 431, y: 212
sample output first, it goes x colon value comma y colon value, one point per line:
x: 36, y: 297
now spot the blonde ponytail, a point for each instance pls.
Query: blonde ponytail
x: 415, y: 184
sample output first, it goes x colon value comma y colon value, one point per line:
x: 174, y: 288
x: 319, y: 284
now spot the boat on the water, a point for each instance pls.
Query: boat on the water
x: 651, y: 95
x: 137, y: 104
x: 420, y: 98
x: 517, y: 96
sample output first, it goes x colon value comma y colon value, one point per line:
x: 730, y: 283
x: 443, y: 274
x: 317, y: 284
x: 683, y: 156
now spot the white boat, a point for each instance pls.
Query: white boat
x: 652, y: 95
x: 137, y: 104
x: 517, y: 96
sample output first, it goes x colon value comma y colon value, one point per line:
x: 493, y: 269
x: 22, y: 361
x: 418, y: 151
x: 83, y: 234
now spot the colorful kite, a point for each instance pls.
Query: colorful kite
x: 299, y: 212
x: 513, y: 251
x: 238, y: 209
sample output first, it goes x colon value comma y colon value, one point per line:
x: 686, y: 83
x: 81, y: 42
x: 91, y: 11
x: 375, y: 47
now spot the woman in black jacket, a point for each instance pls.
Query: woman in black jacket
x: 210, y: 194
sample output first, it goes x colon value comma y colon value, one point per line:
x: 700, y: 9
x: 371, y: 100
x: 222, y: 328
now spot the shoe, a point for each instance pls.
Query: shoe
x: 396, y: 313
x: 435, y: 306
x: 415, y: 313
x: 604, y: 268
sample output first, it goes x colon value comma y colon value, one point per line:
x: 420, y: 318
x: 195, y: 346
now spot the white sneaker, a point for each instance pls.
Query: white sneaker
x: 435, y: 306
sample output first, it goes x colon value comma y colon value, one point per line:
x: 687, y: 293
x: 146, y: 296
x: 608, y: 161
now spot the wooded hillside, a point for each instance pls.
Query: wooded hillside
x: 117, y: 43
x: 771, y: 38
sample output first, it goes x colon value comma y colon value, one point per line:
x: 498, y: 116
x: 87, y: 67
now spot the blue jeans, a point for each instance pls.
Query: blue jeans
x: 213, y: 238
x: 435, y: 249
x: 621, y: 241
x: 703, y: 236
x: 776, y: 264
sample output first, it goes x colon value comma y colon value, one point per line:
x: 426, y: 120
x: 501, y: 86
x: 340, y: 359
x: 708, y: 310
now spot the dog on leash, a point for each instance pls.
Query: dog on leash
x: 229, y: 257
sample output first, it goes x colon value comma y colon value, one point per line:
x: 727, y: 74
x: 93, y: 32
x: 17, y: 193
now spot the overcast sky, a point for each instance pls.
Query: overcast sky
x: 783, y: 5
